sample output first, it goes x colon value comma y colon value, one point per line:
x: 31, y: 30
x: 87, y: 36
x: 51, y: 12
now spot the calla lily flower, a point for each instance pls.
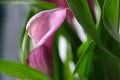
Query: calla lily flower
x: 41, y: 29
x: 63, y: 3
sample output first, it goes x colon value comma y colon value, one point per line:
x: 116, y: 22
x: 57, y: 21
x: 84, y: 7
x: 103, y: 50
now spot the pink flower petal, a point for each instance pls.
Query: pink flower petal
x: 44, y: 24
x: 41, y: 29
x: 41, y: 59
x: 70, y: 17
x: 63, y: 3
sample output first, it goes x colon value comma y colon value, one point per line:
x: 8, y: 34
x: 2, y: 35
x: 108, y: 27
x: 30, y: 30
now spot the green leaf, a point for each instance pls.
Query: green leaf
x: 84, y: 64
x: 97, y: 12
x: 44, y: 5
x: 21, y: 71
x: 82, y: 49
x: 81, y: 11
x: 37, y: 4
x: 101, y: 2
x: 111, y: 18
x: 58, y: 65
x: 67, y: 73
x: 113, y: 46
x: 109, y: 42
x: 24, y: 45
x: 70, y: 34
x: 110, y: 65
x: 16, y: 1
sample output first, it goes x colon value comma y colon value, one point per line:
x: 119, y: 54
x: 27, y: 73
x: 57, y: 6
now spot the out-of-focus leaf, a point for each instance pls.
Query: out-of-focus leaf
x: 82, y: 49
x: 97, y: 10
x: 16, y: 1
x: 84, y: 64
x: 67, y: 31
x: 44, y: 5
x: 113, y: 46
x: 101, y: 2
x: 58, y: 65
x: 24, y: 45
x: 67, y: 73
x: 111, y: 13
x: 21, y: 71
x: 33, y: 3
x: 81, y: 11
x: 108, y: 65
x: 109, y: 42
x: 72, y: 37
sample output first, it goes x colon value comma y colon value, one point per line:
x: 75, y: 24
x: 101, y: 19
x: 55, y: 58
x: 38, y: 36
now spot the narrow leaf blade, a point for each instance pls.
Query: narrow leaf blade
x: 85, y: 62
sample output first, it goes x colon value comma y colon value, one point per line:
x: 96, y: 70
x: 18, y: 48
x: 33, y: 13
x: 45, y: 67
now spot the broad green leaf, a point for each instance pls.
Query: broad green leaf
x: 109, y: 42
x: 114, y: 49
x: 81, y: 11
x: 113, y: 46
x: 108, y: 65
x: 110, y: 17
x: 84, y: 64
x: 112, y: 66
x: 21, y: 71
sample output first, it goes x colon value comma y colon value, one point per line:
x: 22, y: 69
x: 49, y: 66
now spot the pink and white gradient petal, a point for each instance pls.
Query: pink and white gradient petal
x: 41, y: 29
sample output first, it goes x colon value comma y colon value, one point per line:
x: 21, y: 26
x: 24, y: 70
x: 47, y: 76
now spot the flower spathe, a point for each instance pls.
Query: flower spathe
x: 63, y: 3
x: 41, y: 29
